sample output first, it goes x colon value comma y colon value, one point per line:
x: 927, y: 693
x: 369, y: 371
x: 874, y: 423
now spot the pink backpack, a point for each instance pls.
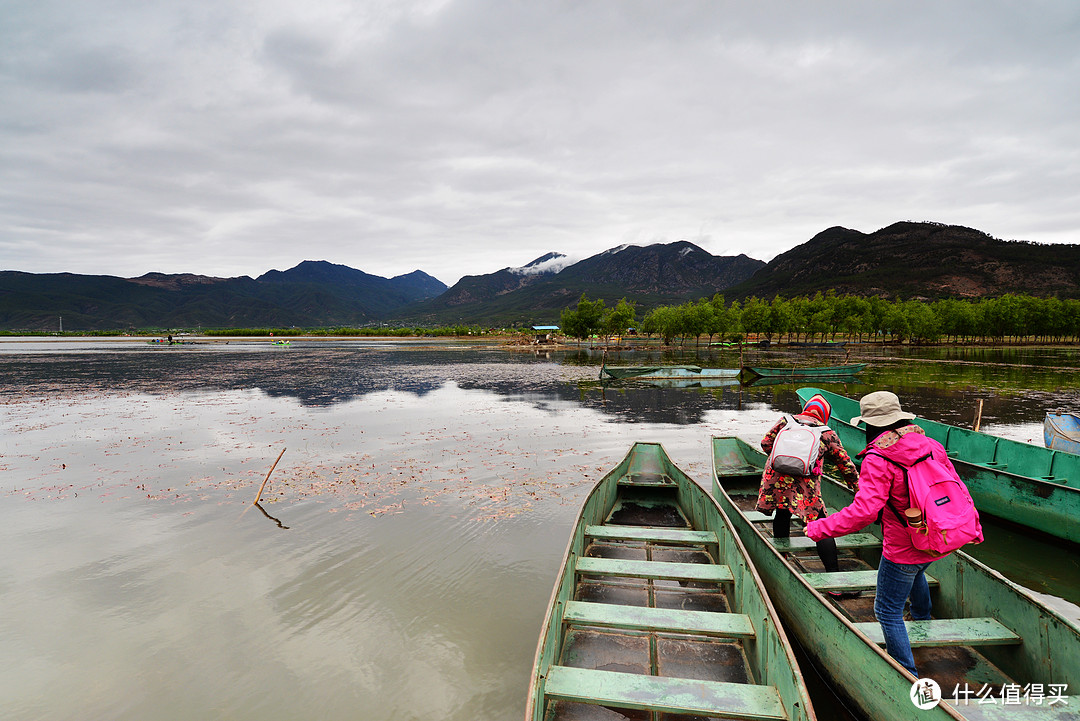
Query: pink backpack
x: 951, y: 520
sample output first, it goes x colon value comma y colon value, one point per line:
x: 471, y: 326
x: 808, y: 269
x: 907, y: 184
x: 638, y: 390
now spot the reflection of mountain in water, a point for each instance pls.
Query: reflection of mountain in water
x: 326, y: 376
x: 323, y: 376
x: 317, y: 377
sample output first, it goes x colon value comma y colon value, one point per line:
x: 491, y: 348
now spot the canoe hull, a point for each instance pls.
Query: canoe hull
x: 966, y: 589
x: 834, y: 646
x: 840, y: 371
x: 659, y: 372
x: 769, y: 658
x: 1018, y: 482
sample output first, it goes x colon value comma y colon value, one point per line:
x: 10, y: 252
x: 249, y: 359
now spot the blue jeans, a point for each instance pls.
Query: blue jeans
x: 895, y: 583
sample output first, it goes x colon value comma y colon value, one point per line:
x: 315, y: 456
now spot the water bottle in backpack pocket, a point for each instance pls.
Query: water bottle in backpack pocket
x: 949, y: 519
x: 796, y: 448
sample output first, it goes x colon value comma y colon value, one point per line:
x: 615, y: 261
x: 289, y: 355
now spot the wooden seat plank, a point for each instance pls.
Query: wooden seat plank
x: 654, y: 570
x: 646, y: 533
x: 644, y: 618
x: 949, y: 632
x: 848, y: 580
x: 663, y: 694
x: 802, y: 543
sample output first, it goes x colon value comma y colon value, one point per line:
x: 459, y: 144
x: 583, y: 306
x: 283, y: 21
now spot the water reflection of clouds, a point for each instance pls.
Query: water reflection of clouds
x: 428, y: 499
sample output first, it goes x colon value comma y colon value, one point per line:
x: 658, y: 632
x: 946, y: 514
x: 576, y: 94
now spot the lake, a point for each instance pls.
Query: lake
x: 400, y: 561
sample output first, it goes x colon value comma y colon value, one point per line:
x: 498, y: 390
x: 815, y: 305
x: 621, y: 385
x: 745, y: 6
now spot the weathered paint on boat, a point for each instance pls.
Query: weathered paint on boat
x: 986, y: 629
x: 664, y: 371
x: 848, y: 369
x: 1019, y: 482
x: 1061, y: 431
x: 655, y: 584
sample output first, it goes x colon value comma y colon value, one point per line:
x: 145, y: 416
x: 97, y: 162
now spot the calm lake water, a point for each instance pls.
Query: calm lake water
x: 401, y: 559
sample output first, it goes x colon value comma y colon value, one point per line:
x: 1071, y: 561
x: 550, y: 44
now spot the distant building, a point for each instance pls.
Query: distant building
x: 545, y: 333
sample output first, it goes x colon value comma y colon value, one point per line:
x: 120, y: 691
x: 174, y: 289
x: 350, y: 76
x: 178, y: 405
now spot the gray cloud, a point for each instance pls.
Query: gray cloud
x: 464, y: 136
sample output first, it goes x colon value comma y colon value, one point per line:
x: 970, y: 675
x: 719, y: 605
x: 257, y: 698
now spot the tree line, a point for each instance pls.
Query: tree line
x: 827, y: 316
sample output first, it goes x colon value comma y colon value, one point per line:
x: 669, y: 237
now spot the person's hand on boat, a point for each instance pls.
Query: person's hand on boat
x: 813, y: 531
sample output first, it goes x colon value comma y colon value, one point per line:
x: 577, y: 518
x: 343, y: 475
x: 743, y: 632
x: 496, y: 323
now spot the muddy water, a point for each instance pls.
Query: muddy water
x: 399, y: 563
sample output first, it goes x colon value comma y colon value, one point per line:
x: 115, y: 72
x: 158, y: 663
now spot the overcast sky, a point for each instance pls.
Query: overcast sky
x: 226, y: 138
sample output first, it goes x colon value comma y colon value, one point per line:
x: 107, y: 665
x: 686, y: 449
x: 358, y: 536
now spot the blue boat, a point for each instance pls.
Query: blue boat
x: 1061, y: 431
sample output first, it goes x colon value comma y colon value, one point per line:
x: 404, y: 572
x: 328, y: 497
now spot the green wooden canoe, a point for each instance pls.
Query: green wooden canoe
x: 666, y: 371
x: 986, y: 630
x: 658, y: 613
x: 848, y: 369
x: 1019, y: 482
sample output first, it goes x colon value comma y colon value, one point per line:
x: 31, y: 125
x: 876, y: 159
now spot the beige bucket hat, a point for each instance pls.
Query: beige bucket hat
x: 880, y: 408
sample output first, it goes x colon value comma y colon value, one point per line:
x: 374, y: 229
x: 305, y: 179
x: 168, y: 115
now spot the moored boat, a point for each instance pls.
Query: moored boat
x: 1019, y: 482
x: 658, y: 611
x: 840, y: 371
x: 1061, y: 431
x: 707, y: 382
x: 994, y: 650
x: 666, y: 371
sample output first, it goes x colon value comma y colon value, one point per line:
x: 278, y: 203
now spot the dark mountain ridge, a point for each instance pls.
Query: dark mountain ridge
x: 918, y: 260
x: 479, y: 289
x: 314, y: 293
x: 658, y: 274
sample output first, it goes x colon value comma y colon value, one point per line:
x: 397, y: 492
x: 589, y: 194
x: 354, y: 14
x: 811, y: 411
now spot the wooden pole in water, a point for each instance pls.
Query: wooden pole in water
x: 978, y: 415
x: 259, y: 494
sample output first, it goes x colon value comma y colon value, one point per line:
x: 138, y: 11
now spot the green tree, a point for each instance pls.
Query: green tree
x: 922, y: 323
x: 755, y: 316
x: 697, y: 317
x: 798, y: 309
x: 664, y: 321
x: 780, y: 319
x: 723, y: 320
x: 585, y: 321
x: 852, y: 316
x: 619, y: 318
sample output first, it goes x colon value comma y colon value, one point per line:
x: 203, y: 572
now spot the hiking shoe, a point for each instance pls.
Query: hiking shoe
x: 842, y: 594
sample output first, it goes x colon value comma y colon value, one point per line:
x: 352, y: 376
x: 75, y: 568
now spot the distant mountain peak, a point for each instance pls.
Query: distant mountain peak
x: 549, y: 263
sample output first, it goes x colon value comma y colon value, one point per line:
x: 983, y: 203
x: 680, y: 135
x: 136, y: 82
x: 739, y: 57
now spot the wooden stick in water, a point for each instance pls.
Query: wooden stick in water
x: 978, y: 415
x: 259, y: 494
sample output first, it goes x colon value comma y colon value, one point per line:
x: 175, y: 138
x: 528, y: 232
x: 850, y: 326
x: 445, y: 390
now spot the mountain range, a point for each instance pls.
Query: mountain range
x: 907, y: 259
x: 314, y: 293
x: 924, y: 260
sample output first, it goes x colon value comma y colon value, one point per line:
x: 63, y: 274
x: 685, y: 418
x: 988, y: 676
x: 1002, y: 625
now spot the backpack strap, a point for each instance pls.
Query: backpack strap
x: 903, y: 469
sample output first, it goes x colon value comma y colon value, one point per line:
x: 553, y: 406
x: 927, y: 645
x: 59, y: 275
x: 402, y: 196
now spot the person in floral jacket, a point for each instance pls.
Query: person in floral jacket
x: 801, y: 496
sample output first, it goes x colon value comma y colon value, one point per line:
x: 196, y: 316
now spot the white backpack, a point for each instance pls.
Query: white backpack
x: 796, y: 447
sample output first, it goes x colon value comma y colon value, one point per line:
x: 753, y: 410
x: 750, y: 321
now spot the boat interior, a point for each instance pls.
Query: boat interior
x: 604, y: 631
x: 940, y: 658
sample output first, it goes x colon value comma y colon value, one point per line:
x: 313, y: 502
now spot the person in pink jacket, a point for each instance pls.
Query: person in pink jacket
x: 902, y: 572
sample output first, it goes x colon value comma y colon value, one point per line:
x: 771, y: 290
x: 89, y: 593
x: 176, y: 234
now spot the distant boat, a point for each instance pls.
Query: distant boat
x: 658, y: 609
x: 707, y: 382
x: 823, y: 344
x: 841, y: 371
x: 1023, y: 483
x: 986, y: 633
x: 1061, y: 431
x: 666, y: 371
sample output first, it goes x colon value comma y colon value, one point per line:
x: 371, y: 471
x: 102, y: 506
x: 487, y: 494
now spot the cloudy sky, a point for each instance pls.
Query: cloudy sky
x: 230, y: 137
